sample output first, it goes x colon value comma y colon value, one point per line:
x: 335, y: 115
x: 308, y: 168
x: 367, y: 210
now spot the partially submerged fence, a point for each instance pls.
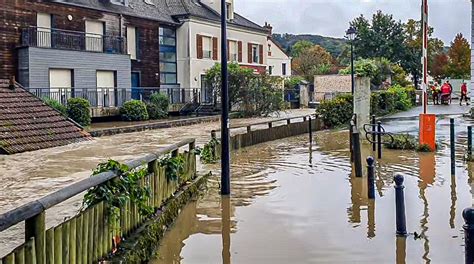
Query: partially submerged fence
x: 89, y: 236
x: 292, y: 126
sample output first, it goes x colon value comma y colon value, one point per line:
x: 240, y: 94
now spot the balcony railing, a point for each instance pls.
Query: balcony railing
x: 72, y: 40
x: 115, y: 97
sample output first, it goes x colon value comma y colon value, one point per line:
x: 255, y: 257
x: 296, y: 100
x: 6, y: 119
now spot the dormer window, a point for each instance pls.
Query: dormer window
x: 119, y: 2
x: 230, y: 11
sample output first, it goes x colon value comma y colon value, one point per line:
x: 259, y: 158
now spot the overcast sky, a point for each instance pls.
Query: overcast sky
x: 331, y: 17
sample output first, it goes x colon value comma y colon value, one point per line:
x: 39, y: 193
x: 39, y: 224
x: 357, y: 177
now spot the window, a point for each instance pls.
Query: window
x: 60, y: 78
x: 255, y: 53
x: 283, y: 69
x: 269, y: 49
x: 233, y: 50
x: 105, y: 82
x: 207, y: 47
x: 94, y: 36
x: 229, y: 11
x: 120, y: 2
x: 43, y: 24
x: 168, y: 66
x: 270, y: 70
x: 132, y: 42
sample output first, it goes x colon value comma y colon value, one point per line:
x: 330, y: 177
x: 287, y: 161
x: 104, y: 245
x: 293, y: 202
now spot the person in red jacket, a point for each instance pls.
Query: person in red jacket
x: 464, y: 93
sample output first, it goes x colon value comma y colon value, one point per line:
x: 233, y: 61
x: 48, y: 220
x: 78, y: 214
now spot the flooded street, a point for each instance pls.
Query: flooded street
x: 288, y: 206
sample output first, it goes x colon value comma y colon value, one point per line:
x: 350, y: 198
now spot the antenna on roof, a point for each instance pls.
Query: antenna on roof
x: 11, y: 85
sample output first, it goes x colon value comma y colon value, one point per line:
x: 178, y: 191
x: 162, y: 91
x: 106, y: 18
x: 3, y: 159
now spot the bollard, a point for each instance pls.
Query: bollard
x: 400, y: 205
x: 371, y: 177
x: 379, y: 139
x: 374, y: 130
x: 310, y: 126
x: 468, y: 215
x: 469, y: 142
x: 357, y: 154
x: 452, y: 145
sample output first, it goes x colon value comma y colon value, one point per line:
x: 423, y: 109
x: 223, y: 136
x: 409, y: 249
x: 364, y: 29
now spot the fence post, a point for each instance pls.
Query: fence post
x: 249, y: 129
x: 379, y: 140
x: 374, y: 146
x: 36, y: 227
x: 400, y: 205
x: 469, y: 142
x: 468, y: 215
x: 357, y: 153
x: 270, y: 124
x: 452, y: 138
x: 371, y: 177
x: 288, y: 121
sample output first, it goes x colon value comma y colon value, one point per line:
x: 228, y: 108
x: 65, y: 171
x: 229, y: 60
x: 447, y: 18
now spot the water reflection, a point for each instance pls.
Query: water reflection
x: 401, y: 249
x: 427, y: 178
x: 225, y: 222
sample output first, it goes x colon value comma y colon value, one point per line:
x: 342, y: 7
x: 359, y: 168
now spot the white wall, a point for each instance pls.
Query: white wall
x: 190, y: 68
x: 276, y: 60
x: 216, y: 4
x: 471, y: 94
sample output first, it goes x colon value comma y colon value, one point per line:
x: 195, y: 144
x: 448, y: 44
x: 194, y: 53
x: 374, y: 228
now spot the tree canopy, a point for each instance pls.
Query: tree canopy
x: 459, y: 66
x: 311, y: 60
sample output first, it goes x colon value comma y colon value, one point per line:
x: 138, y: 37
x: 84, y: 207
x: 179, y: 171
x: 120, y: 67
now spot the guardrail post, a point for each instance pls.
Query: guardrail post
x: 288, y: 121
x: 249, y: 129
x: 374, y: 146
x: 36, y: 227
x: 400, y: 205
x: 270, y: 124
x: 379, y: 139
x: 469, y: 142
x: 357, y: 154
x: 468, y: 215
x: 452, y: 138
x: 371, y: 177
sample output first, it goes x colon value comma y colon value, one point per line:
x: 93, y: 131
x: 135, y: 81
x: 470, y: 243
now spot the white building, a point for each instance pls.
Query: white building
x: 199, y: 42
x: 278, y: 62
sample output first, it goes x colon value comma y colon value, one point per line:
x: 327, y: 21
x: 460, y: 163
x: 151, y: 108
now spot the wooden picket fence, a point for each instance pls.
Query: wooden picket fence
x: 89, y: 236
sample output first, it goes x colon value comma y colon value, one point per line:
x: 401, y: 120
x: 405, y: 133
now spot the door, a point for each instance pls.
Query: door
x: 106, y: 88
x: 95, y: 36
x: 206, y: 91
x: 43, y: 30
x: 60, y: 84
x: 135, y: 86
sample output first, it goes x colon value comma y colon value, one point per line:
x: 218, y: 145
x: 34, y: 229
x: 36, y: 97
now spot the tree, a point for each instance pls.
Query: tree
x: 439, y: 67
x: 299, y: 47
x: 378, y: 70
x: 459, y: 66
x: 312, y: 61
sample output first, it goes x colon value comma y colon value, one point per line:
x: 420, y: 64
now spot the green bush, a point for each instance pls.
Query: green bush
x: 78, y: 109
x: 134, y: 110
x: 154, y: 112
x: 404, y: 141
x: 336, y: 112
x: 160, y: 100
x: 56, y: 105
x: 392, y: 100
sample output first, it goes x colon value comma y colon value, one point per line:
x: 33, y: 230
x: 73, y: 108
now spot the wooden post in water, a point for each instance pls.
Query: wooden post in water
x: 50, y: 246
x: 58, y: 249
x: 72, y: 241
x: 30, y: 252
x: 36, y: 227
x: 79, y: 237
x: 20, y: 255
x: 65, y: 239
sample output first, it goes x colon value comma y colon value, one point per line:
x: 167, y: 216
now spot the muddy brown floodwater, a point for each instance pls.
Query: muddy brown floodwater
x: 290, y: 206
x: 28, y: 176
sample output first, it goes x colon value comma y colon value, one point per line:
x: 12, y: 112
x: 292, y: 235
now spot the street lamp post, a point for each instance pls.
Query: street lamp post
x: 351, y: 33
x: 225, y: 150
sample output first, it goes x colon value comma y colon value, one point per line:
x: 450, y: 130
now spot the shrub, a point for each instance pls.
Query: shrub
x: 395, y: 99
x: 404, y: 141
x: 134, y: 110
x: 154, y: 112
x: 78, y: 109
x: 160, y: 100
x: 56, y: 105
x: 336, y: 112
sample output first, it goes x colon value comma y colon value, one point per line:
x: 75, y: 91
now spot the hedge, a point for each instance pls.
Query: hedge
x: 78, y: 110
x: 56, y: 105
x: 338, y: 111
x: 134, y: 110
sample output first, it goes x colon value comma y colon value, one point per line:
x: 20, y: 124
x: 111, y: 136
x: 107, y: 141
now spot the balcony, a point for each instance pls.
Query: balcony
x: 72, y: 40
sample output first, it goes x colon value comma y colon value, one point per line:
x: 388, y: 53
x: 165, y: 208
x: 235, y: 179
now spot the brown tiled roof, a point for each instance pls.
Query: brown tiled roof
x: 27, y: 124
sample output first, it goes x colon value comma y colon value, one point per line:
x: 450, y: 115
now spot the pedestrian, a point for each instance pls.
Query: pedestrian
x: 435, y: 90
x: 446, y: 91
x: 464, y: 93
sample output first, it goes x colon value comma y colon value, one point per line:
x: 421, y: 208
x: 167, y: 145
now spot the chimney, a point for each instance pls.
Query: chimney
x: 269, y: 28
x: 11, y: 85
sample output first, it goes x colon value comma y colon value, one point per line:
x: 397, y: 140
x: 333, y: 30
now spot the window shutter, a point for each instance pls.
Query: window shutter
x: 249, y: 47
x: 240, y: 50
x: 199, y: 47
x: 215, y: 50
x: 260, y: 55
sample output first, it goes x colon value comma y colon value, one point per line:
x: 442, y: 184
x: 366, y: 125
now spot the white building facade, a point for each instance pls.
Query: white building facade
x: 279, y: 63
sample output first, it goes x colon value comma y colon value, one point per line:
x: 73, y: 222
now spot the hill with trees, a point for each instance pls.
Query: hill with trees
x: 334, y: 46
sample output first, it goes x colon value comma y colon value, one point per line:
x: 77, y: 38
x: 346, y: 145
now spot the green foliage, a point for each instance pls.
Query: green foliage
x: 312, y: 61
x: 78, y: 109
x: 115, y: 193
x: 393, y: 100
x: 336, y: 112
x: 459, y: 66
x: 399, y: 76
x: 403, y: 142
x: 293, y: 81
x: 300, y: 46
x: 154, y: 112
x: 332, y: 45
x: 56, y: 105
x: 161, y: 101
x: 207, y: 153
x: 174, y: 166
x: 378, y: 70
x: 134, y: 110
x: 424, y: 148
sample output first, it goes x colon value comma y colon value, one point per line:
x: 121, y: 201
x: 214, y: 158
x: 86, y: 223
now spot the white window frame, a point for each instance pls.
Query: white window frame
x: 207, y: 54
x: 43, y: 30
x: 233, y: 50
x: 132, y: 42
x: 256, y: 55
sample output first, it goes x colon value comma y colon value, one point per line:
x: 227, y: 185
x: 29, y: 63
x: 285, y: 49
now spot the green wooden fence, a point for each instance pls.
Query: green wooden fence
x: 89, y: 237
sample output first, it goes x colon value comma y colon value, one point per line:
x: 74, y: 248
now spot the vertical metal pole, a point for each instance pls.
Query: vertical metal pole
x: 400, y: 205
x: 225, y: 151
x: 469, y: 142
x: 452, y: 138
x: 374, y: 130
x: 352, y: 68
x: 371, y: 177
x: 310, y: 126
x: 357, y: 154
x: 468, y: 215
x: 379, y: 140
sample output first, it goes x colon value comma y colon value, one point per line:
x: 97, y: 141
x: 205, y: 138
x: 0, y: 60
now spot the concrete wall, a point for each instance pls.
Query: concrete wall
x: 190, y: 68
x: 34, y: 65
x: 362, y: 101
x: 276, y: 60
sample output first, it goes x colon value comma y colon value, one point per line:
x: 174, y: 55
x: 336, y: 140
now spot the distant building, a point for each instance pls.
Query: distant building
x: 328, y: 86
x: 279, y: 62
